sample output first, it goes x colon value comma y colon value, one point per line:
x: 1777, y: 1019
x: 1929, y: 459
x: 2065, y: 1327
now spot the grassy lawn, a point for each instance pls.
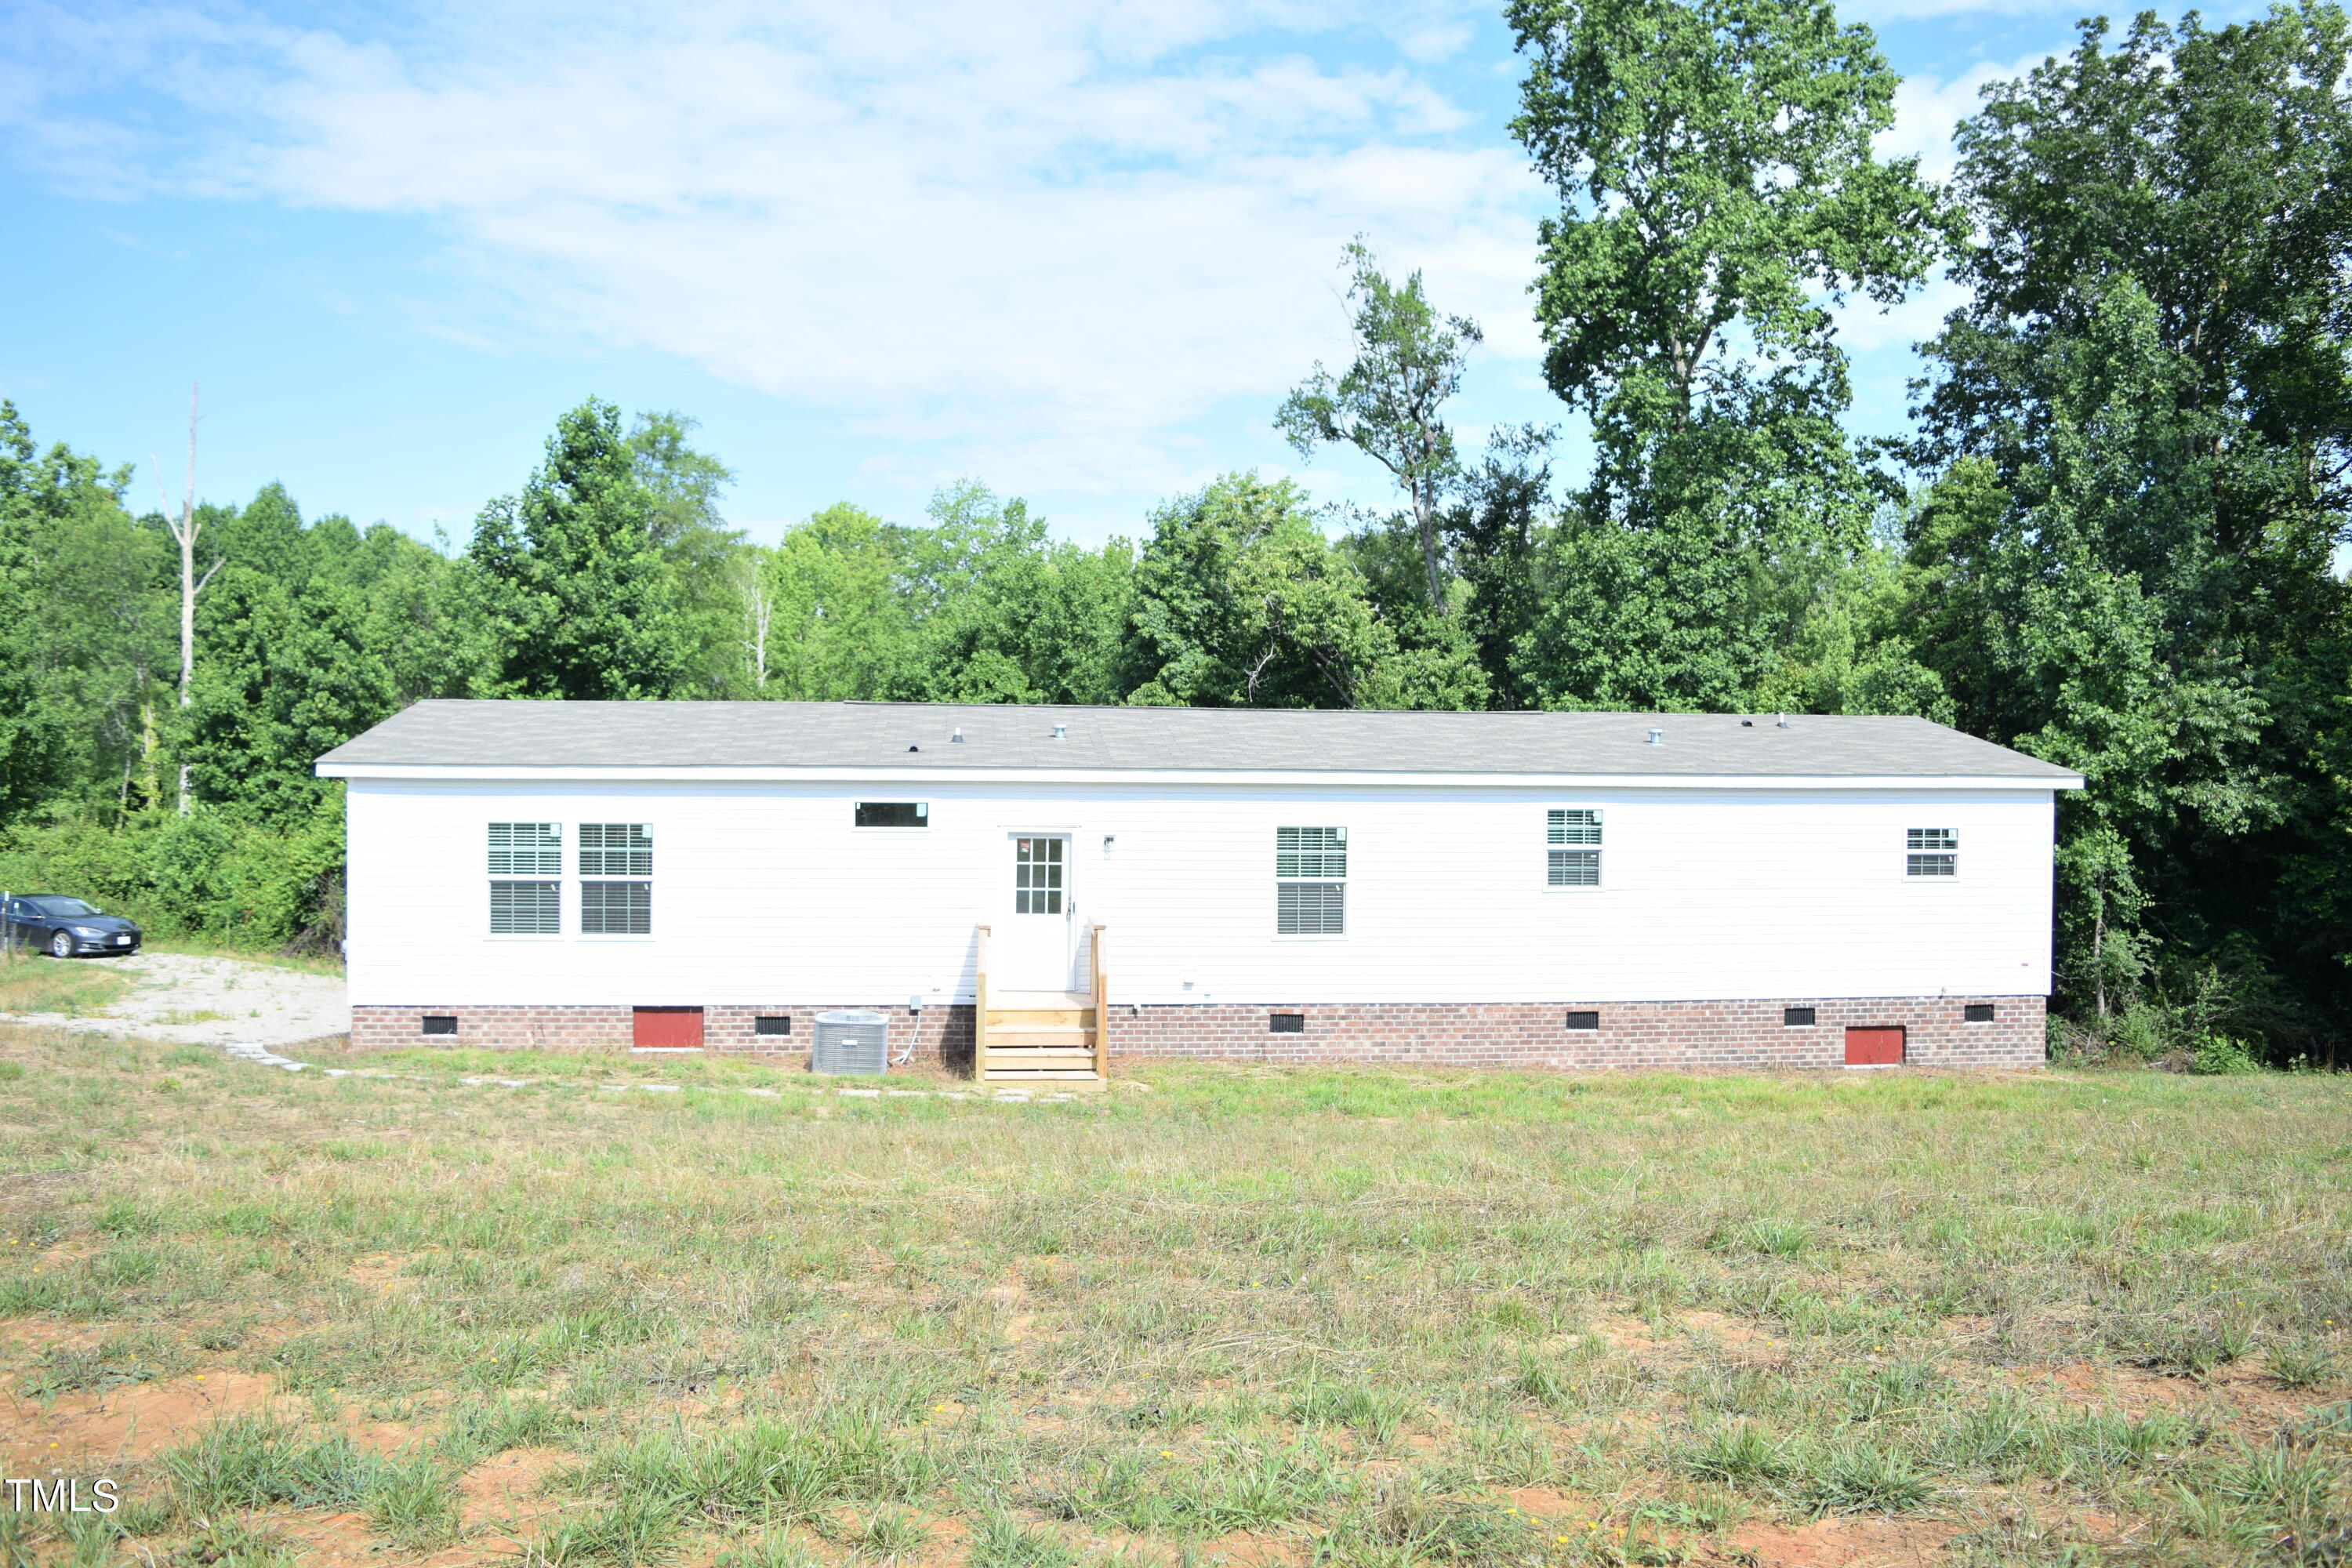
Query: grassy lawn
x: 32, y: 984
x: 585, y: 1068
x: 1352, y: 1319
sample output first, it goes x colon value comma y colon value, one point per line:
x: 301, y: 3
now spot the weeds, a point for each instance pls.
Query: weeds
x: 2305, y: 1363
x: 766, y: 1470
x: 252, y: 1461
x: 1404, y: 1521
x: 635, y: 1530
x: 477, y: 1430
x: 1000, y: 1541
x: 412, y: 1500
x: 887, y: 1535
x: 771, y: 1548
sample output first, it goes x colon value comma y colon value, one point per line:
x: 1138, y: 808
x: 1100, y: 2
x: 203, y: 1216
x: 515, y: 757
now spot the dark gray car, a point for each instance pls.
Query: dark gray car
x: 62, y: 927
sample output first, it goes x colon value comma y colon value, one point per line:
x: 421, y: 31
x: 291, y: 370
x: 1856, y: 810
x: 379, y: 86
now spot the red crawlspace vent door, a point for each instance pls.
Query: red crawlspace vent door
x: 668, y: 1028
x: 1873, y: 1048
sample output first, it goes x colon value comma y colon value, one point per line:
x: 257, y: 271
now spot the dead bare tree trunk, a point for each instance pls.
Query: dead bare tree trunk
x: 759, y: 608
x: 184, y: 532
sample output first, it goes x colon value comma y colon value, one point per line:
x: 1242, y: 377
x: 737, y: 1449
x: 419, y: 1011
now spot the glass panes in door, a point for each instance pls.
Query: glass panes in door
x: 1037, y: 875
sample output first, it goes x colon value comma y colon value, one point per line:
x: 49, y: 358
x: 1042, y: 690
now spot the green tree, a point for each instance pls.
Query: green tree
x: 840, y: 629
x: 2142, y: 417
x: 1498, y: 528
x: 1005, y: 613
x: 1718, y: 194
x: 287, y: 674
x: 1241, y: 602
x: 704, y: 557
x: 1389, y: 403
x: 83, y: 584
x: 588, y: 605
x: 309, y: 634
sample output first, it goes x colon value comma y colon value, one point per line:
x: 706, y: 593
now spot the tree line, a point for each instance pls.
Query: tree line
x: 2114, y: 538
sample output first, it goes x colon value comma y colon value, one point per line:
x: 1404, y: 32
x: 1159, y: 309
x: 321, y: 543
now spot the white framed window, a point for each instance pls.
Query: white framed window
x: 1037, y: 875
x: 1310, y: 881
x: 1931, y: 852
x: 1573, y: 847
x: 525, y: 868
x: 616, y: 890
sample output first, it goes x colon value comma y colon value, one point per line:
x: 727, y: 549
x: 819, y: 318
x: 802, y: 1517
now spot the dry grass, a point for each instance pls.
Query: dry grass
x: 1355, y: 1319
x: 30, y: 983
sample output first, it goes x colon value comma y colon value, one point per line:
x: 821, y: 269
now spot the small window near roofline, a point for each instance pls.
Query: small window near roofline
x: 1931, y: 852
x: 894, y: 814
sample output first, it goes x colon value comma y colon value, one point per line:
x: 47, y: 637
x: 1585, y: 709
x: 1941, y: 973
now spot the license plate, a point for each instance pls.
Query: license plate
x: 123, y: 942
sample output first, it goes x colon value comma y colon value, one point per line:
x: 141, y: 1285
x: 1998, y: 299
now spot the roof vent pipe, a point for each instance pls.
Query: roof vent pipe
x: 1657, y: 737
x: 958, y: 736
x: 1061, y: 731
x: 1779, y: 721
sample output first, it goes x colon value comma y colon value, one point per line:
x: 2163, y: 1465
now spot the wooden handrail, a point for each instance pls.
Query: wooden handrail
x: 980, y: 1009
x: 1102, y: 1008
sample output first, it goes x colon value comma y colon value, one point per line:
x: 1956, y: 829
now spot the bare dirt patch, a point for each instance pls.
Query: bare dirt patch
x: 505, y: 1490
x: 127, y: 1424
x: 1844, y: 1542
x: 205, y: 1001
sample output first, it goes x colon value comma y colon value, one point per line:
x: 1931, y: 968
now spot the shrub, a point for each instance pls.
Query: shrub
x: 2217, y: 1055
x: 210, y: 874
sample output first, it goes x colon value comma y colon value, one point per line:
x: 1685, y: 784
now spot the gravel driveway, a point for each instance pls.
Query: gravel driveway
x: 256, y: 1003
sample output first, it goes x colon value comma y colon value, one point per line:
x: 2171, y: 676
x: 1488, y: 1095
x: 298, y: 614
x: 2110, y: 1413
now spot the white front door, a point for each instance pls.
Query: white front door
x: 1033, y: 942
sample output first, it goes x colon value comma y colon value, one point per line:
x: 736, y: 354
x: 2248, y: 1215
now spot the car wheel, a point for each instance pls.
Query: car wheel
x: 61, y: 945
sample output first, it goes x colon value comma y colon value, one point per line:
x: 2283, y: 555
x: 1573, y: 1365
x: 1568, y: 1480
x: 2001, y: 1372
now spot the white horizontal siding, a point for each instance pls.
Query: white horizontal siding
x: 766, y: 892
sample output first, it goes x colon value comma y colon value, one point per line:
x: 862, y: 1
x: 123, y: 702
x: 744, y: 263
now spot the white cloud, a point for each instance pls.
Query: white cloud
x: 1038, y: 238
x: 1864, y: 327
x: 1929, y: 109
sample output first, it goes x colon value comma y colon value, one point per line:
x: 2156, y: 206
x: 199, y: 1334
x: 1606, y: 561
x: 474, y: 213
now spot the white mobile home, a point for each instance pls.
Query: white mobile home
x: 1050, y: 887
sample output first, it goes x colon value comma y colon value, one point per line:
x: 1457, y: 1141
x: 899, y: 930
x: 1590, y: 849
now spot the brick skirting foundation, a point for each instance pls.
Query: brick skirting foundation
x: 1673, y: 1034
x: 940, y: 1034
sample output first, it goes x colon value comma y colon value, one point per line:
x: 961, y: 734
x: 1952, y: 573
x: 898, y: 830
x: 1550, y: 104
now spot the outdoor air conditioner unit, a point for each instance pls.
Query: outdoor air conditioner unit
x: 851, y: 1042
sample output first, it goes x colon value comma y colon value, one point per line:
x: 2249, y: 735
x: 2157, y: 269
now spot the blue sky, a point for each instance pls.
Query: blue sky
x: 1076, y: 250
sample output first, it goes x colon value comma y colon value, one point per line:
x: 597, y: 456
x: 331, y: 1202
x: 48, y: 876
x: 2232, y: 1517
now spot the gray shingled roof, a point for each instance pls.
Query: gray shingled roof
x: 887, y: 735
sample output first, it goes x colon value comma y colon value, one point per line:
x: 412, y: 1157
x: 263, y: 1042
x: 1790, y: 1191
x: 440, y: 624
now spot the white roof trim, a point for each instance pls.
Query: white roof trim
x: 937, y: 778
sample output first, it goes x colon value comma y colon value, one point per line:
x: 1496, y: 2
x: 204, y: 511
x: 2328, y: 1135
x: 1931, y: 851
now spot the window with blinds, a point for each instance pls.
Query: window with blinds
x: 526, y: 909
x: 1573, y: 847
x: 617, y: 849
x: 520, y: 853
x: 1310, y: 873
x: 526, y: 849
x: 616, y: 909
x: 1931, y: 852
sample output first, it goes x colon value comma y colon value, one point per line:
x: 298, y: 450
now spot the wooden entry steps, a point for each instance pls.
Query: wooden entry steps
x: 1041, y: 1037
